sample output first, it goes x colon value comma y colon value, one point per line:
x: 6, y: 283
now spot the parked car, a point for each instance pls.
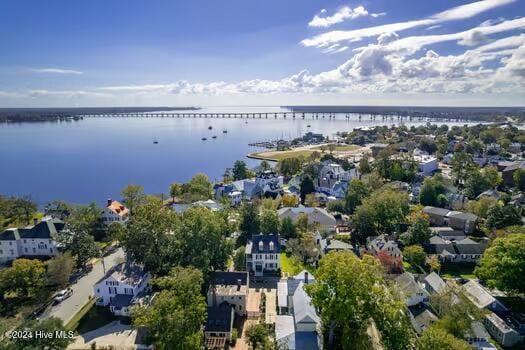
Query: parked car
x: 461, y: 280
x: 63, y: 295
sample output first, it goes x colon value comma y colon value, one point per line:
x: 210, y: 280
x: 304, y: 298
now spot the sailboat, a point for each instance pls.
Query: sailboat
x: 155, y: 141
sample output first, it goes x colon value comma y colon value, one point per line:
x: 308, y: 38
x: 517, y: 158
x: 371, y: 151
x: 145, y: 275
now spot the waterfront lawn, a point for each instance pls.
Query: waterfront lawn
x: 458, y: 270
x: 292, y: 266
x: 96, y: 317
x: 339, y: 148
x: 280, y: 155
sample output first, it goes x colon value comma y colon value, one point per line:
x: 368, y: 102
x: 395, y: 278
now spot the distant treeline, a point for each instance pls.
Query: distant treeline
x: 18, y: 115
x: 471, y: 113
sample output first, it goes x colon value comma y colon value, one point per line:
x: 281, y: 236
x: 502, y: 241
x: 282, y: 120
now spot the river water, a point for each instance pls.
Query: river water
x: 93, y: 159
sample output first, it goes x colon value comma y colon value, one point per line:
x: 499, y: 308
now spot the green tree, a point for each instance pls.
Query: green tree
x: 269, y: 222
x: 415, y: 255
x: 356, y: 192
x: 481, y: 206
x: 431, y: 189
x: 338, y: 205
x: 147, y: 240
x: 177, y: 314
x: 133, y: 196
x: 475, y: 184
x: 240, y: 171
x: 435, y: 338
x: 264, y: 165
x: 176, y: 190
x: 201, y: 240
x: 419, y: 232
x: 250, y: 223
x: 199, y: 187
x: 59, y: 269
x: 25, y: 278
x: 306, y: 187
x: 257, y: 336
x: 239, y: 259
x: 350, y: 293
x: 50, y: 325
x: 519, y: 179
x: 383, y: 212
x: 301, y: 223
x: 503, y: 264
x: 288, y: 229
x: 58, y: 209
x: 492, y: 177
x: 462, y: 164
x: 502, y: 216
x: 289, y: 166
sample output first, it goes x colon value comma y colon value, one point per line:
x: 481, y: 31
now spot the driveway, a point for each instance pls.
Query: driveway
x: 83, y: 289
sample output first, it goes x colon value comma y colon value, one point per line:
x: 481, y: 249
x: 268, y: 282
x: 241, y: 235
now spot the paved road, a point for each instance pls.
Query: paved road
x: 83, y: 289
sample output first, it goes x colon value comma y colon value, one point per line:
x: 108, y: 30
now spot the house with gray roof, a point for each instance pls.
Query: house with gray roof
x: 461, y: 251
x: 262, y: 253
x: 413, y: 292
x: 434, y: 284
x: 421, y: 317
x: 383, y: 243
x: 316, y: 216
x: 37, y: 240
x: 294, y: 302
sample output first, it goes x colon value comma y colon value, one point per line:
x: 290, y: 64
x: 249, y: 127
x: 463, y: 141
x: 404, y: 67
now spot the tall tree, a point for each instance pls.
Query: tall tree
x: 59, y: 269
x: 175, y: 190
x: 288, y: 229
x: 499, y: 216
x: 51, y: 325
x: 199, y: 187
x: 289, y: 166
x: 133, y: 196
x: 25, y: 278
x: 148, y: 240
x: 269, y: 222
x: 503, y: 264
x: 475, y: 184
x: 419, y: 232
x: 519, y: 179
x: 462, y: 164
x: 364, y: 165
x: 415, y: 255
x: 492, y: 176
x: 58, y: 209
x: 307, y: 186
x: 356, y: 192
x: 240, y: 171
x: 177, y: 314
x: 435, y: 338
x: 257, y: 336
x: 350, y: 292
x: 250, y: 223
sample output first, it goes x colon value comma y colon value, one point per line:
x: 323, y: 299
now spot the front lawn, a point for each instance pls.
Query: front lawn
x: 292, y: 266
x: 96, y: 317
x: 458, y: 270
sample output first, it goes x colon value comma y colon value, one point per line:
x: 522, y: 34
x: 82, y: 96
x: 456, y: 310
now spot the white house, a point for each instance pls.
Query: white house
x: 114, y: 211
x: 37, y: 240
x: 413, y: 292
x: 121, y: 287
x: 263, y: 254
x: 426, y: 164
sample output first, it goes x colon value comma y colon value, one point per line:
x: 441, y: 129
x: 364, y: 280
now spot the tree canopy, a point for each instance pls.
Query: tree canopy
x: 503, y: 264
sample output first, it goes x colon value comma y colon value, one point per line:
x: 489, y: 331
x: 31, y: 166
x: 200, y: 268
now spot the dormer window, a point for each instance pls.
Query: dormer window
x: 260, y: 245
x: 271, y: 246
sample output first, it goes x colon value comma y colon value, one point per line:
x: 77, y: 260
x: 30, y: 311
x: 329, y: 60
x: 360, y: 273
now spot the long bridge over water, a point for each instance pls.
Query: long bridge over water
x: 274, y: 115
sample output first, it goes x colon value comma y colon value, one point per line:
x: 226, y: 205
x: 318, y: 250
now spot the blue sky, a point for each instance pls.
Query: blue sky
x: 196, y: 52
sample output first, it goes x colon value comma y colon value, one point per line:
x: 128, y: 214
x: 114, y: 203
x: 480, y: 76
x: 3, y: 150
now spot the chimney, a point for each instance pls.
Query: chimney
x: 110, y: 201
x: 239, y: 284
x: 306, y: 277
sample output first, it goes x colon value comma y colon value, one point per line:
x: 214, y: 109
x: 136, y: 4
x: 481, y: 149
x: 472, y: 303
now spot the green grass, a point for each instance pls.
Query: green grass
x: 96, y: 317
x: 280, y: 155
x: 73, y: 323
x: 292, y: 266
x: 340, y: 148
x: 458, y: 270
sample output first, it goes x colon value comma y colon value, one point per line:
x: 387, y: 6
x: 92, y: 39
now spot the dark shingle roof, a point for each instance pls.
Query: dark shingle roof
x: 228, y: 278
x: 43, y: 230
x: 121, y: 300
x: 436, y: 211
x: 219, y: 318
x: 265, y: 239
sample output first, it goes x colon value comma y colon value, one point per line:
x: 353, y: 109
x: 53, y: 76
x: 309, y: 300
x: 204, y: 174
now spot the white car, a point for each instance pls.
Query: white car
x: 63, y: 295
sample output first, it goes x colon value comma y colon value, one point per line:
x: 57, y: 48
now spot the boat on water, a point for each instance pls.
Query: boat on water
x: 308, y: 126
x: 214, y: 137
x: 155, y: 141
x: 225, y: 131
x: 204, y: 139
x: 210, y: 127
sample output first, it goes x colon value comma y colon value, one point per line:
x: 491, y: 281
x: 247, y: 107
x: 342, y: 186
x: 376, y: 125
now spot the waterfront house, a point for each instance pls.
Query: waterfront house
x: 114, y: 211
x: 316, y: 216
x: 37, y: 240
x: 230, y: 287
x: 262, y: 254
x: 123, y: 286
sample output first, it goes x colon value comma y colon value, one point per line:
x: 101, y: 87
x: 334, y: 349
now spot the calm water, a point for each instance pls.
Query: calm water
x: 93, y: 159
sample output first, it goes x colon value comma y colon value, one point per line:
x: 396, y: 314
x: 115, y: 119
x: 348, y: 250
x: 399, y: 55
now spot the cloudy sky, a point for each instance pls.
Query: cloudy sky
x: 272, y: 52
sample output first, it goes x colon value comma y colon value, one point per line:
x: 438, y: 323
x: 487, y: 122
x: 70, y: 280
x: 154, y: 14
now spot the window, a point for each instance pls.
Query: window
x: 261, y: 245
x: 271, y: 246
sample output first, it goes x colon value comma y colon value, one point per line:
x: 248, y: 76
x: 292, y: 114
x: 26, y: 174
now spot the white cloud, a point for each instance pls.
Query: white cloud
x: 456, y: 13
x: 473, y: 38
x: 435, y: 26
x: 56, y: 71
x: 343, y: 14
x: 386, y: 38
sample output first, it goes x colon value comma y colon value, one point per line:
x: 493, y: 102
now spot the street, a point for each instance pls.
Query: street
x: 83, y: 289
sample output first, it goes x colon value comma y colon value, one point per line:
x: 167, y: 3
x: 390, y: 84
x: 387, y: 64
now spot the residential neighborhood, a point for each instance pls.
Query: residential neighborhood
x: 282, y: 256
